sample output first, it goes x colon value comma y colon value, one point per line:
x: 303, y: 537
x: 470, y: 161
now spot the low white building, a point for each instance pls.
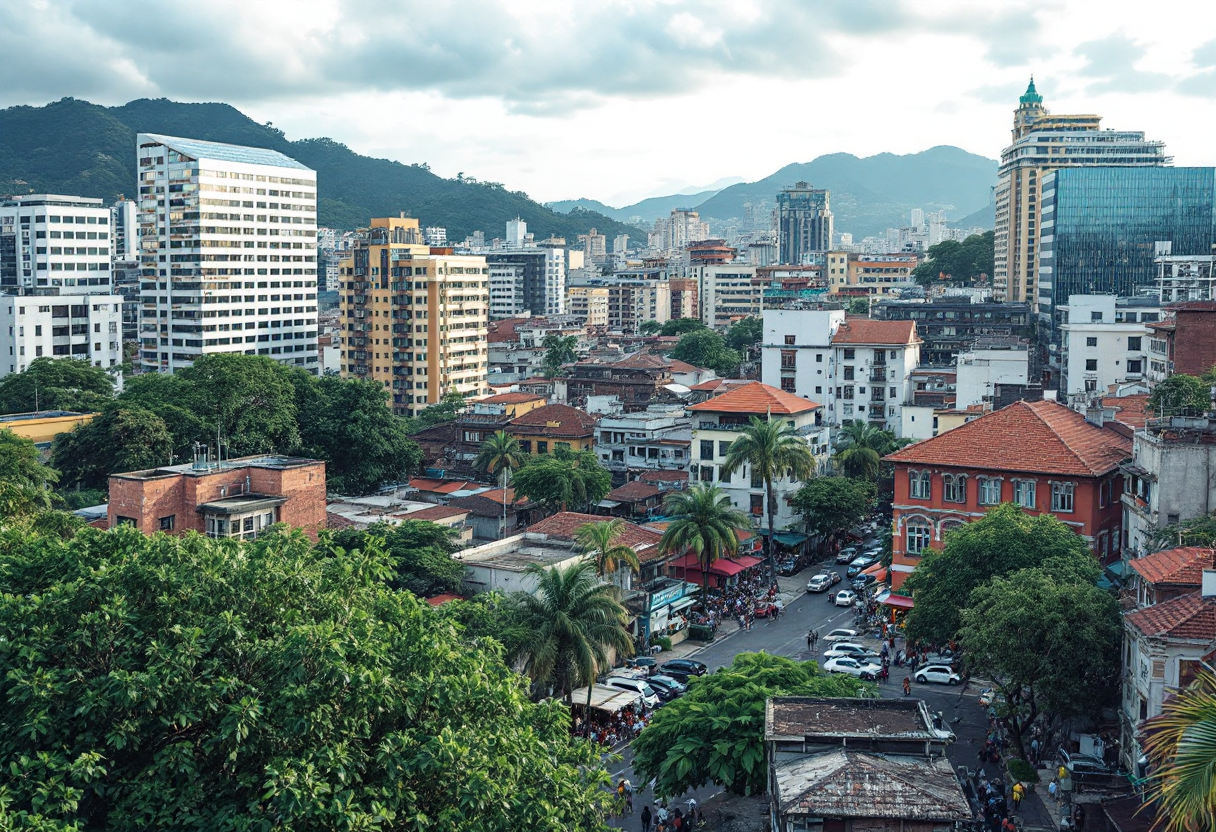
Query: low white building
x: 873, y: 363
x: 980, y: 370
x: 717, y: 423
x: 796, y: 351
x: 1104, y: 341
x: 658, y: 437
x: 86, y: 327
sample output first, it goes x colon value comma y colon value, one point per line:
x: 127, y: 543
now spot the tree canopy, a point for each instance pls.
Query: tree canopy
x: 420, y: 551
x: 559, y: 351
x: 185, y: 683
x: 1003, y: 541
x: 860, y: 448
x: 564, y: 480
x: 21, y: 464
x: 1181, y: 395
x: 56, y: 384
x: 1181, y: 744
x: 705, y: 348
x: 715, y: 732
x: 832, y: 505
x: 680, y: 326
x: 957, y: 262
x: 703, y: 521
x: 123, y: 438
x: 745, y: 335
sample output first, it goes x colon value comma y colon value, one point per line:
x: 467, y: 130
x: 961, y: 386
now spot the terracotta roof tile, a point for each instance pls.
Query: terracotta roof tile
x: 758, y: 398
x: 1189, y: 617
x: 511, y: 398
x: 1130, y: 410
x: 866, y: 331
x: 434, y: 513
x: 564, y: 524
x: 489, y: 503
x: 442, y: 486
x: 555, y: 420
x: 633, y: 492
x: 678, y: 366
x: 1034, y: 437
x: 663, y: 476
x: 1183, y: 565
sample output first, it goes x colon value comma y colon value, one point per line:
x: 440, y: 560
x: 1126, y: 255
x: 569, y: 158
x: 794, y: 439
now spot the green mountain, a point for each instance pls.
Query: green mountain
x: 74, y: 147
x: 648, y: 209
x: 875, y: 193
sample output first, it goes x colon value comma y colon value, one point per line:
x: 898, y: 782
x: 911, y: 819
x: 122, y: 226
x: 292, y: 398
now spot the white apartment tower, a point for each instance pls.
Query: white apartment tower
x: 228, y: 238
x: 56, y: 282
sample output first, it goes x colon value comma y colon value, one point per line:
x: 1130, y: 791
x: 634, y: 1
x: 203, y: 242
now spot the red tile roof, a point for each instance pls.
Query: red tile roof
x: 434, y: 513
x: 1033, y: 437
x: 633, y: 492
x: 439, y: 600
x: 555, y: 420
x: 866, y: 331
x: 678, y: 366
x: 564, y: 524
x: 663, y: 476
x: 1183, y: 565
x: 511, y: 398
x: 443, y: 486
x: 489, y: 503
x: 1130, y: 410
x: 758, y: 398
x: 1188, y: 617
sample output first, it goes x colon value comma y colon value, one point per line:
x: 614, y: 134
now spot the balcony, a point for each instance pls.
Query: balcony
x: 878, y: 376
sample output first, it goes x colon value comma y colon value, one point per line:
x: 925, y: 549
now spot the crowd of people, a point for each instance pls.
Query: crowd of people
x: 737, y: 601
x: 611, y: 729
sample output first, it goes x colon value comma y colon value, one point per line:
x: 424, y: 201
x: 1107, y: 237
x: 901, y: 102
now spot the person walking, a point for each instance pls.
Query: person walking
x: 907, y: 685
x: 810, y: 639
x: 628, y: 797
x: 1053, y: 790
x: 1019, y: 791
x: 646, y: 817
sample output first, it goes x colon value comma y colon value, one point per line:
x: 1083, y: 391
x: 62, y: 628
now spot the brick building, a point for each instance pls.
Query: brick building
x: 1039, y: 455
x: 237, y: 498
x: 1185, y: 342
x: 635, y: 381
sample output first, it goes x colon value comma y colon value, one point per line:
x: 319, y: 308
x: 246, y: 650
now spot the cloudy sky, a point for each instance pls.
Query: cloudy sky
x: 620, y: 100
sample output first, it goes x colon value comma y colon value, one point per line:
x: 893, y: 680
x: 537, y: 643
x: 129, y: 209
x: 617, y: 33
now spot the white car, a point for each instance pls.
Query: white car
x: 849, y: 650
x: 860, y: 668
x: 844, y: 598
x: 842, y: 634
x: 937, y: 673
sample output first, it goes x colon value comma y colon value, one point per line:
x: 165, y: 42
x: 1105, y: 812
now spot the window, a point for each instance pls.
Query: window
x: 166, y: 523
x: 707, y: 449
x: 920, y: 485
x: 756, y: 504
x: 1062, y: 496
x: 757, y: 480
x: 1133, y: 343
x: 787, y: 384
x: 1091, y: 364
x: 789, y: 360
x: 1091, y: 342
x: 1095, y: 317
x: 125, y: 521
x: 818, y: 358
x: 1135, y: 367
x: 707, y: 473
x: 849, y: 354
x: 954, y: 488
x: 919, y: 536
x: 848, y: 373
x: 723, y: 447
x: 789, y: 340
x: 542, y: 447
x: 990, y: 491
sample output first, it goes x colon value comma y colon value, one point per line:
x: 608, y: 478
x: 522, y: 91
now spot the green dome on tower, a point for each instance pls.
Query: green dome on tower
x: 1031, y: 96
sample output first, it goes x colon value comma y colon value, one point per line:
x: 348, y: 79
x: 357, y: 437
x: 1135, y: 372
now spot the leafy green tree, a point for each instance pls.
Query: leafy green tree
x: 702, y: 521
x: 1048, y: 639
x: 560, y: 350
x: 21, y: 464
x: 453, y: 405
x: 833, y: 505
x: 745, y: 335
x: 572, y: 621
x: 1003, y: 541
x: 1181, y: 745
x: 859, y: 306
x: 420, y: 551
x: 487, y: 621
x: 1181, y: 395
x: 349, y: 425
x: 860, y: 448
x: 598, y: 542
x: 650, y: 328
x: 250, y: 398
x: 1196, y: 531
x: 563, y: 479
x: 681, y: 326
x: 715, y: 732
x: 56, y: 384
x: 121, y: 439
x: 773, y: 450
x: 185, y: 683
x: 168, y: 396
x: 706, y: 348
x: 956, y: 262
x: 500, y: 454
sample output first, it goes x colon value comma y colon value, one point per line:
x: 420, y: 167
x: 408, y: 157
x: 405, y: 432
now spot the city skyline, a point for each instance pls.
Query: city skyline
x: 524, y: 95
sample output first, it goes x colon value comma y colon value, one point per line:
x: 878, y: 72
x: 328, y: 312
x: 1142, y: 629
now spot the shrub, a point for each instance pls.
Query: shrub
x: 701, y: 632
x: 1021, y: 770
x: 662, y: 641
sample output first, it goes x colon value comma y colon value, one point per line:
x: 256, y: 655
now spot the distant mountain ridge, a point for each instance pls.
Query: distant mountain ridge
x: 648, y: 209
x: 869, y: 195
x: 74, y: 147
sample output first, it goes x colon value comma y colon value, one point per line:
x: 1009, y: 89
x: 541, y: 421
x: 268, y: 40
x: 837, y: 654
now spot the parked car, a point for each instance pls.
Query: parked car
x: 844, y: 598
x: 1083, y: 768
x: 860, y: 668
x: 840, y: 634
x: 849, y: 650
x: 846, y: 554
x: 863, y: 581
x: 683, y: 667
x: 822, y: 581
x: 666, y: 687
x: 788, y: 567
x: 858, y: 565
x: 646, y: 663
x: 941, y: 674
x: 648, y: 694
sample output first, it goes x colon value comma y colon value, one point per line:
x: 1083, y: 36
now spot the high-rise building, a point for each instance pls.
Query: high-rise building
x: 540, y: 287
x: 595, y: 246
x: 436, y: 235
x: 804, y: 222
x: 124, y: 263
x: 56, y: 280
x: 228, y: 239
x: 1043, y: 142
x: 728, y: 293
x: 517, y: 233
x: 414, y: 316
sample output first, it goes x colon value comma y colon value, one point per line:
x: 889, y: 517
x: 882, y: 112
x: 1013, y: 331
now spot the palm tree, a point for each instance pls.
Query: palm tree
x: 703, y: 521
x: 571, y: 621
x: 1181, y: 743
x: 774, y: 450
x: 861, y: 447
x: 500, y: 454
x: 598, y: 541
x: 559, y: 350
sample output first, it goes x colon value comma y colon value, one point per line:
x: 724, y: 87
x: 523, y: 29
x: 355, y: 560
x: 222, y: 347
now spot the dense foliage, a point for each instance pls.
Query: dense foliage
x: 715, y: 732
x: 1181, y: 744
x: 564, y: 480
x: 706, y: 348
x: 832, y: 505
x: 122, y: 438
x: 56, y: 384
x: 745, y: 335
x: 184, y: 683
x: 703, y: 522
x: 559, y: 351
x: 860, y: 448
x: 956, y: 262
x: 420, y: 552
x: 1181, y: 395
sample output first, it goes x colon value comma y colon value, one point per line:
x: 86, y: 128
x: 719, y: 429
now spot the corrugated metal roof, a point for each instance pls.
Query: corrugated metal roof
x: 199, y: 149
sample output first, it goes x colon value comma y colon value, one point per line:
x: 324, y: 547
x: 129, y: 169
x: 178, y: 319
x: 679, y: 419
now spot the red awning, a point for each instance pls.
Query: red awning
x: 747, y: 561
x: 874, y: 570
x: 900, y: 602
x: 729, y: 568
x: 686, y: 561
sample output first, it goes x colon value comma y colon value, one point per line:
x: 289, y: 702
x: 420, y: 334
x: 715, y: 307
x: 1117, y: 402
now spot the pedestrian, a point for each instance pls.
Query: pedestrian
x: 907, y: 685
x: 628, y: 797
x: 815, y: 643
x: 1053, y: 790
x: 884, y: 673
x: 1019, y: 791
x: 692, y: 807
x: 810, y: 641
x: 646, y: 816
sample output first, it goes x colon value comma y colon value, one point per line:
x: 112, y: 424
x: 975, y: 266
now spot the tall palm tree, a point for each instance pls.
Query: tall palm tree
x: 1181, y: 743
x: 572, y: 620
x: 704, y: 522
x: 861, y: 447
x: 774, y: 450
x: 500, y: 454
x: 598, y: 542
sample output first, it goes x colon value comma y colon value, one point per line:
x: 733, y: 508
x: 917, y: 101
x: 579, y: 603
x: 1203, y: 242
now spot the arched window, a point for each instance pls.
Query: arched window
x: 954, y: 488
x: 920, y: 485
x: 920, y: 536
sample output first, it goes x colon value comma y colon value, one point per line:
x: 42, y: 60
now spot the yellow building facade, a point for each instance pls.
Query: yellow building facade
x: 42, y: 427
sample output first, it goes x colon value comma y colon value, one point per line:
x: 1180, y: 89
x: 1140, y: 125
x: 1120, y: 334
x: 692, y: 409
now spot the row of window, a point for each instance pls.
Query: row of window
x: 954, y: 490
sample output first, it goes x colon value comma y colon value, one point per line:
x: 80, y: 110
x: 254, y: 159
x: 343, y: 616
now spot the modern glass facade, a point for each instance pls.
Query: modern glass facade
x: 1100, y: 224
